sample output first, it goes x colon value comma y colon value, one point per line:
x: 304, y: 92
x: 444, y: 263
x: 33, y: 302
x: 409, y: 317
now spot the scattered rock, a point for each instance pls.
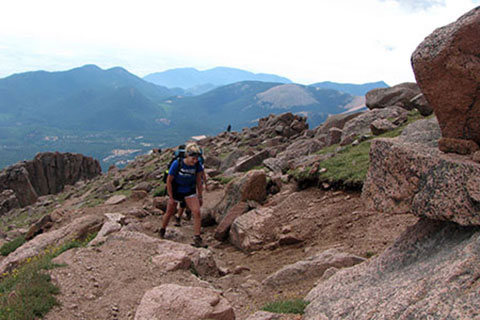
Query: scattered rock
x: 399, y: 95
x: 313, y: 267
x: 116, y: 199
x: 171, y: 301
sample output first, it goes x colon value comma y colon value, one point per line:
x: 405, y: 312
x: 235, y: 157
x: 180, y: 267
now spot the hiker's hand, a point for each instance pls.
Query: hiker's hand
x: 200, y: 201
x: 171, y: 202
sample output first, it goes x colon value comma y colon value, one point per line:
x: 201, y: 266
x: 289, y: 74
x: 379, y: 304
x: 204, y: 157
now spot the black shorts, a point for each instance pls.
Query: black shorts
x: 180, y: 197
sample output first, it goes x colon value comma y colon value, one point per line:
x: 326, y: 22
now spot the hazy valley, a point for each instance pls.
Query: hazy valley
x: 113, y: 115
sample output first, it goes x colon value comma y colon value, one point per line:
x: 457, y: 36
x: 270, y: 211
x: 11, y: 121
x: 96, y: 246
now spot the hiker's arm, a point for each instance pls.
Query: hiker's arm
x: 199, y: 187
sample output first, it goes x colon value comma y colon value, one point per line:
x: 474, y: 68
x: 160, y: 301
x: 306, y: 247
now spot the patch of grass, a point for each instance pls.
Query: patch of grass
x: 21, y: 218
x: 223, y: 179
x: 11, y: 246
x: 27, y: 292
x: 259, y: 167
x: 124, y: 192
x: 296, y: 306
x: 93, y: 202
x: 369, y: 254
x: 349, y: 166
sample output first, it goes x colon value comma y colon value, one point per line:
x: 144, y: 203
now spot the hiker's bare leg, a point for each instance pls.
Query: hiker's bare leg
x: 180, y: 213
x: 171, y: 207
x: 194, y: 206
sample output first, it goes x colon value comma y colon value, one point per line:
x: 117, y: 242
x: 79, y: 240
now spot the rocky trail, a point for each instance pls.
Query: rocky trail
x: 108, y: 281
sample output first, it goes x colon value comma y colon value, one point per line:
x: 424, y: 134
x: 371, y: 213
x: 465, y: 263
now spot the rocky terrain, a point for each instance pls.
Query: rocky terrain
x: 290, y: 212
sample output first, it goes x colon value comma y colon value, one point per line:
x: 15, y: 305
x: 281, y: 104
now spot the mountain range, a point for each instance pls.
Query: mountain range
x: 197, y: 82
x: 114, y: 115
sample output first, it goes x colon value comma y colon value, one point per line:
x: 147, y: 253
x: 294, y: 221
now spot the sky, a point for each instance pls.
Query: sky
x: 307, y: 41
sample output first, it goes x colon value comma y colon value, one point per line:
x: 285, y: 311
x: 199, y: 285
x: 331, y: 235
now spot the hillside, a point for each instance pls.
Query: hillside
x: 241, y: 104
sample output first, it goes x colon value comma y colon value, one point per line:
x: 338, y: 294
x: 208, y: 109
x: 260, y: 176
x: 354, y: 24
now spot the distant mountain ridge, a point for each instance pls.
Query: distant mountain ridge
x: 350, y: 88
x: 191, y: 79
x: 113, y: 115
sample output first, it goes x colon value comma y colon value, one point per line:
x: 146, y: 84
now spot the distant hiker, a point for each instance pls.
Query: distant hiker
x: 229, y: 128
x: 184, y: 183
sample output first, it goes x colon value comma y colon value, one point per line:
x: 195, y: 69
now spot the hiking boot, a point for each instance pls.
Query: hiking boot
x: 198, y: 242
x: 177, y: 222
x: 162, y: 233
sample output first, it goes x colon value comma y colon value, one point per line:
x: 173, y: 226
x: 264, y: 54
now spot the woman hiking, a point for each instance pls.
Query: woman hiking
x: 184, y: 183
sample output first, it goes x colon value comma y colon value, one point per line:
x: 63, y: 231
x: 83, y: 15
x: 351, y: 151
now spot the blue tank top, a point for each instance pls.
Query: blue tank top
x: 184, y: 180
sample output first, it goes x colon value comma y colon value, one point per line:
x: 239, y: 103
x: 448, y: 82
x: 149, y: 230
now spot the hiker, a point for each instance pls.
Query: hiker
x: 229, y: 128
x: 183, y: 205
x: 184, y: 183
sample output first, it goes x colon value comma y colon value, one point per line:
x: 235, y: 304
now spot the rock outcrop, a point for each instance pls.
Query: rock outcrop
x: 430, y: 272
x: 447, y: 69
x: 47, y: 173
x: 78, y: 229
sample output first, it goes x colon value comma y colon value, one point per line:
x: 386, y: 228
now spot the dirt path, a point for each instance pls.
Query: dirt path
x: 108, y: 282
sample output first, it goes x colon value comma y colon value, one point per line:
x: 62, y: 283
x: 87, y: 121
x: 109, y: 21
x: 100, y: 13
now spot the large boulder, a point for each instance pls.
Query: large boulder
x: 430, y: 272
x: 251, y: 186
x: 407, y: 177
x: 171, y: 301
x: 254, y: 230
x: 447, y: 69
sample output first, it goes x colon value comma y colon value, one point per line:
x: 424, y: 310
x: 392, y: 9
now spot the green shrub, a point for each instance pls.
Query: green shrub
x: 160, y: 191
x: 12, y: 245
x: 296, y: 306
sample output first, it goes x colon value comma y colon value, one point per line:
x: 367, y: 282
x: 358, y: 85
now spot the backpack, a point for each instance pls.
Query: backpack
x: 178, y: 154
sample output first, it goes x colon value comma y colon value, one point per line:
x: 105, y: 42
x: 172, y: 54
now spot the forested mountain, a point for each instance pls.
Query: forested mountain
x: 241, y: 104
x: 114, y: 115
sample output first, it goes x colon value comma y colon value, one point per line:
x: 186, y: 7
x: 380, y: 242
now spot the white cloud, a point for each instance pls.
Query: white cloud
x: 306, y: 40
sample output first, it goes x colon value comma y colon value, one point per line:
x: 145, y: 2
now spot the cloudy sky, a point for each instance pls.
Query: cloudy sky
x: 305, y: 40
